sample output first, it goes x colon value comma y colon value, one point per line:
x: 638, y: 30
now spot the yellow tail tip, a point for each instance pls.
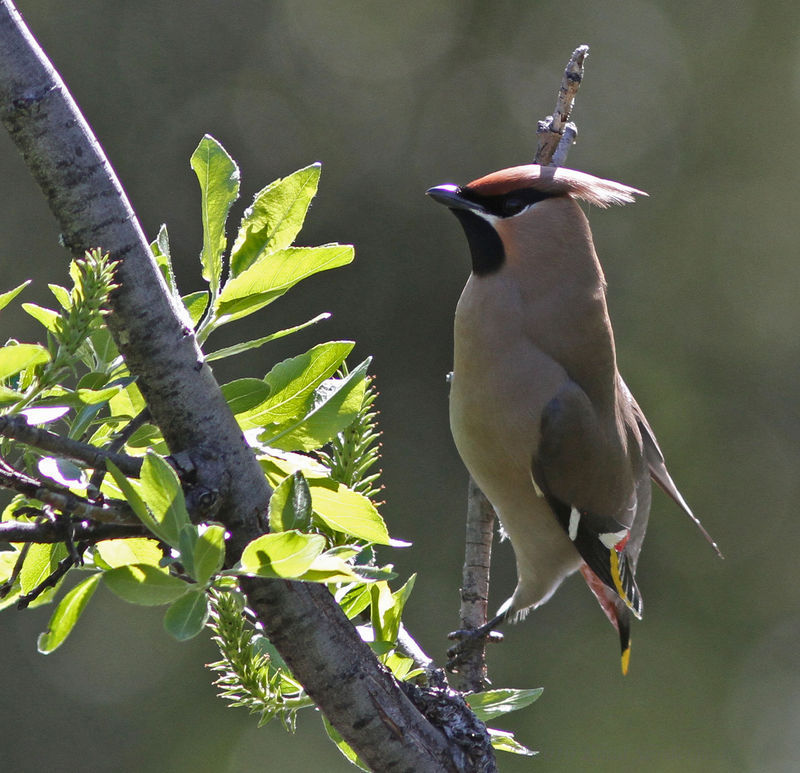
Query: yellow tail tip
x: 626, y: 659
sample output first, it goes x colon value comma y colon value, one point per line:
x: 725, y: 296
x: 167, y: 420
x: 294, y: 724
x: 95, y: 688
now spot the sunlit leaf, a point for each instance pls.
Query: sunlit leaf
x: 244, y: 394
x: 44, y: 414
x: 287, y: 554
x: 503, y: 741
x: 161, y: 491
x: 66, y: 614
x: 292, y: 383
x: 195, y: 304
x: 348, y: 512
x: 40, y: 563
x: 17, y: 357
x: 9, y: 295
x: 144, y: 584
x: 336, y: 403
x: 273, y: 274
x: 209, y: 553
x: 246, y: 346
x: 219, y: 186
x: 275, y: 217
x: 63, y: 471
x: 121, y: 552
x: 46, y: 317
x: 491, y: 704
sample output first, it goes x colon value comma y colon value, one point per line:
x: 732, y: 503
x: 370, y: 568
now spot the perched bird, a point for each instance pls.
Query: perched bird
x: 538, y: 410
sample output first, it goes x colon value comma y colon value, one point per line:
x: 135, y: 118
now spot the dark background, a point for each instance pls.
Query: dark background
x: 695, y: 103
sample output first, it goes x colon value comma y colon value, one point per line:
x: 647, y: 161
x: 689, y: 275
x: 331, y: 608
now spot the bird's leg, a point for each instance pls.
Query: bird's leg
x: 468, y: 638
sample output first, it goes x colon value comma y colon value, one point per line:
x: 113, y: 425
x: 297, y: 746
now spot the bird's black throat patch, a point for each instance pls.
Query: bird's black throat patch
x: 485, y: 245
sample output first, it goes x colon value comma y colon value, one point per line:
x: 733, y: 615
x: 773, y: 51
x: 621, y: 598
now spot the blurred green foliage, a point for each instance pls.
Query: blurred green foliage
x: 695, y: 103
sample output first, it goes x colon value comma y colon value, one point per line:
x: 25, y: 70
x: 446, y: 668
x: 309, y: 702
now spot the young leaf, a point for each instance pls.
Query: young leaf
x: 186, y: 617
x: 132, y: 496
x: 40, y: 563
x: 505, y: 742
x: 195, y: 304
x: 342, y: 745
x: 46, y: 317
x: 393, y: 615
x: 348, y: 512
x: 272, y: 275
x: 336, y: 404
x: 493, y: 703
x: 275, y: 217
x: 161, y: 491
x: 244, y: 394
x: 290, y: 505
x: 66, y: 614
x: 9, y: 295
x: 219, y: 185
x: 121, y: 552
x: 209, y: 553
x: 292, y: 382
x: 287, y: 554
x: 144, y: 584
x: 160, y: 249
x: 246, y: 346
x: 17, y: 357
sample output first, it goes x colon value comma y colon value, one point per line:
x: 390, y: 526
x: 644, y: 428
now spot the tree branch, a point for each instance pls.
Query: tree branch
x: 52, y: 531
x: 17, y: 428
x: 154, y: 335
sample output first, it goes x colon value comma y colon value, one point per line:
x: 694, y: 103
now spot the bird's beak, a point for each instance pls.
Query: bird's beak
x: 450, y: 195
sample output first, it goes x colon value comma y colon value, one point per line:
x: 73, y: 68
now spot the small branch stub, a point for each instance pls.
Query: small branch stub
x: 551, y: 131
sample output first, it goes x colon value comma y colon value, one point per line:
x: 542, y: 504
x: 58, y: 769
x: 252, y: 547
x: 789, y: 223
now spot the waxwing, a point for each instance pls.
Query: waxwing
x: 538, y: 410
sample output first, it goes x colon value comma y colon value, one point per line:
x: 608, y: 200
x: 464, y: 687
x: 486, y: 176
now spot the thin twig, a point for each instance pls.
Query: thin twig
x: 62, y: 499
x: 118, y: 443
x: 551, y: 130
x: 51, y: 532
x: 17, y: 428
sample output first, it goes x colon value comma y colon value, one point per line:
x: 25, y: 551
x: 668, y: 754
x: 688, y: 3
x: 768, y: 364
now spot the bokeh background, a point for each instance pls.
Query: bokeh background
x: 696, y: 103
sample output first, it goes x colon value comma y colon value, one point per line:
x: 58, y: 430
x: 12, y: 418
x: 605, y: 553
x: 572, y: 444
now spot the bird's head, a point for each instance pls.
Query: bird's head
x: 503, y: 207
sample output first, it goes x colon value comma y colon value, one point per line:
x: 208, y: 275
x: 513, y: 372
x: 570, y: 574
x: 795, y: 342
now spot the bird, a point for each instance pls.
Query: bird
x: 539, y: 412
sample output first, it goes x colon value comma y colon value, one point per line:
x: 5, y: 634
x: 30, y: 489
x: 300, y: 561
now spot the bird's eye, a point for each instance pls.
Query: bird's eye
x: 513, y: 206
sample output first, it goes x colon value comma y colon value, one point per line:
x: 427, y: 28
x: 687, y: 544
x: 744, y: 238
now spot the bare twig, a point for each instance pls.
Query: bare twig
x: 50, y: 532
x: 471, y: 664
x: 118, y: 443
x: 62, y: 499
x: 17, y: 428
x: 552, y: 130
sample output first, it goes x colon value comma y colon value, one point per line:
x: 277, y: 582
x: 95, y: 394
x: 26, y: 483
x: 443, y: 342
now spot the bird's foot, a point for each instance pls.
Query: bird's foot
x: 469, y: 640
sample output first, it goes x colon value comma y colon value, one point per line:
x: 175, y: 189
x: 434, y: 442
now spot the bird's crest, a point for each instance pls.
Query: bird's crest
x: 555, y: 181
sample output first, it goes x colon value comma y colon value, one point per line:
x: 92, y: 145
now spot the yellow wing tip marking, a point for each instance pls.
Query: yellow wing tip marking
x: 618, y: 580
x: 626, y: 659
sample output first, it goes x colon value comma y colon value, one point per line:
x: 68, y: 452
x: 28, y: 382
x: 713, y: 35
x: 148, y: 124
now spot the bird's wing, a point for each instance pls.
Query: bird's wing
x: 657, y: 465
x: 591, y: 490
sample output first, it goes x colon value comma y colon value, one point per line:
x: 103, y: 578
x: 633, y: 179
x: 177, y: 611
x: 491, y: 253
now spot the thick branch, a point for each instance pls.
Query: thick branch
x: 156, y: 339
x: 54, y: 531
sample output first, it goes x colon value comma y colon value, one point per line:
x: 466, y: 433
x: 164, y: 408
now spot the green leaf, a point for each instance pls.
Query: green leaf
x: 122, y: 552
x: 244, y: 394
x: 130, y: 491
x: 494, y: 703
x: 209, y: 553
x: 290, y: 505
x: 287, y: 554
x: 393, y: 615
x: 272, y: 275
x: 40, y: 563
x: 17, y: 357
x: 46, y: 317
x: 342, y: 745
x: 292, y: 383
x: 195, y: 304
x: 330, y: 568
x: 348, y: 512
x: 336, y: 403
x: 161, y: 491
x: 97, y: 396
x: 186, y: 617
x: 62, y: 295
x: 161, y: 252
x: 275, y: 217
x: 219, y: 185
x: 9, y: 295
x: 144, y: 584
x: 66, y: 614
x: 246, y: 346
x: 505, y: 742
